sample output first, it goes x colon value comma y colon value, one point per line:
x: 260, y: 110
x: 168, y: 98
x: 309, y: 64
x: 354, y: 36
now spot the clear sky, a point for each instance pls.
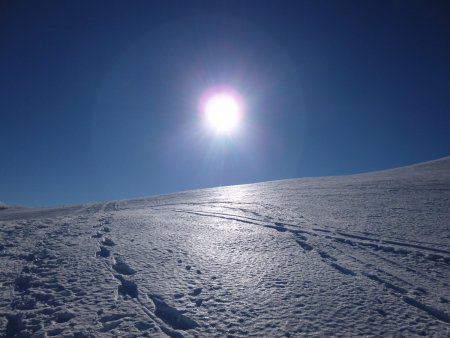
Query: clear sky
x: 99, y: 100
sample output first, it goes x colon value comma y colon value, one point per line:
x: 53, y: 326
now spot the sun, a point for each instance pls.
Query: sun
x: 222, y: 110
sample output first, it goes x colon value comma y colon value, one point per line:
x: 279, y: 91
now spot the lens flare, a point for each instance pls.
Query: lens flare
x: 222, y: 110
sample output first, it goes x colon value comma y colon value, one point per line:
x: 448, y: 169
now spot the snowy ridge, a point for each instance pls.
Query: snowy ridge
x: 367, y: 254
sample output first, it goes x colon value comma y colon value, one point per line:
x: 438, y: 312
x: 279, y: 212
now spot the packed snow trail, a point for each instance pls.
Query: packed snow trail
x: 336, y: 256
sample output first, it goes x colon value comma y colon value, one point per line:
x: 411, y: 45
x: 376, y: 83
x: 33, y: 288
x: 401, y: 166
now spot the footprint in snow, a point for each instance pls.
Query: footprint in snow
x: 171, y: 315
x: 104, y: 252
x: 97, y: 235
x: 196, y: 292
x: 127, y: 287
x: 123, y: 268
x: 108, y: 241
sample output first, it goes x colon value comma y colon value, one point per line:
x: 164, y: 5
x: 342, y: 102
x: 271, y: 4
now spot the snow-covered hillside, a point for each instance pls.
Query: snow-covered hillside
x: 357, y: 255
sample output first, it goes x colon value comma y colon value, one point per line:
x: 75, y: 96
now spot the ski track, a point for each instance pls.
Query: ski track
x: 330, y: 260
x: 224, y: 262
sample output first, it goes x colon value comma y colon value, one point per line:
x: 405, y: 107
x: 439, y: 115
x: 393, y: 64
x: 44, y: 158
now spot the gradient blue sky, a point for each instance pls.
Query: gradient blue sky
x: 98, y: 99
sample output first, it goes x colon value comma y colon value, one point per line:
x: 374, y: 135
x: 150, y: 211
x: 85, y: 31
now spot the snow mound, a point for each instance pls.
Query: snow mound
x: 357, y: 255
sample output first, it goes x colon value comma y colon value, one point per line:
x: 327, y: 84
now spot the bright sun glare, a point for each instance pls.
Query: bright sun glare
x: 222, y: 111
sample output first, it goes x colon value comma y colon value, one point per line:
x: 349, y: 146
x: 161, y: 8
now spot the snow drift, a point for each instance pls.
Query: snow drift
x: 365, y: 254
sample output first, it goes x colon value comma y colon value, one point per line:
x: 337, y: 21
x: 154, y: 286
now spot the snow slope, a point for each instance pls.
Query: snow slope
x: 366, y: 254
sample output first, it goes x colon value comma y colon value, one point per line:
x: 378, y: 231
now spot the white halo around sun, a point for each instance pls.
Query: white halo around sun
x: 222, y: 111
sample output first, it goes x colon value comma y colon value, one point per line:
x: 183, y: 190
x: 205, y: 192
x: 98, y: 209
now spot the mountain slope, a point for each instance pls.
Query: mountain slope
x: 366, y: 254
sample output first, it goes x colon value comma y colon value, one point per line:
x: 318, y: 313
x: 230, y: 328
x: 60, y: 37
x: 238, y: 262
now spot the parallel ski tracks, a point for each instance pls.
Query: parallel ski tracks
x: 406, y: 283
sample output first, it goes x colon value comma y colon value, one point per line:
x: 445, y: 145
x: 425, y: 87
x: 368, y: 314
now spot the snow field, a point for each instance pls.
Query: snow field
x: 337, y: 256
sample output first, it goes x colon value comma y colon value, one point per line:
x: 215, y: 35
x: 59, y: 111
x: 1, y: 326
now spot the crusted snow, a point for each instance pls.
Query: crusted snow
x: 358, y: 255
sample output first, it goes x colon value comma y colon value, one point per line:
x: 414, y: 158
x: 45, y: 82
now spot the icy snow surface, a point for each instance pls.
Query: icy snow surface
x: 366, y: 254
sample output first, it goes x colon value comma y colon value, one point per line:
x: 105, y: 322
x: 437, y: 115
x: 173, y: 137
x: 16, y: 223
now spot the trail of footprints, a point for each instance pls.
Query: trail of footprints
x: 121, y: 270
x: 168, y: 318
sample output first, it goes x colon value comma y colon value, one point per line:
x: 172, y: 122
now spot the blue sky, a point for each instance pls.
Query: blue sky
x: 99, y: 99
